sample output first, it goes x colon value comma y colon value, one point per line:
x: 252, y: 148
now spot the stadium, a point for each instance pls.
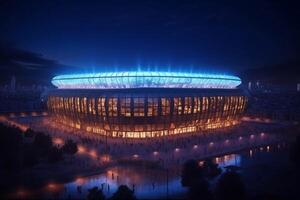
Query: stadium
x: 146, y: 104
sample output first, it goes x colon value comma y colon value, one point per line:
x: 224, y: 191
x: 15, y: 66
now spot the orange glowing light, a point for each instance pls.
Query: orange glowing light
x: 51, y: 186
x: 105, y: 158
x: 81, y: 149
x: 21, y: 193
x: 80, y: 181
x: 93, y: 153
x: 58, y: 141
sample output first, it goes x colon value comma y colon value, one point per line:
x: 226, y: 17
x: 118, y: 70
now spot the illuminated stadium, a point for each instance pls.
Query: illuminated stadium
x: 146, y: 104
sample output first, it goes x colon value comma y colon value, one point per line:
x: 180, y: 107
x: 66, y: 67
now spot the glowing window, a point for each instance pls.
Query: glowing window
x: 113, y: 107
x: 152, y: 107
x: 212, y: 104
x: 125, y: 106
x: 197, y: 104
x: 204, y: 103
x: 177, y: 106
x: 91, y: 106
x: 101, y: 106
x: 77, y: 104
x: 165, y: 106
x: 226, y: 104
x: 139, y: 107
x: 187, y: 105
x: 84, y: 105
x: 71, y: 104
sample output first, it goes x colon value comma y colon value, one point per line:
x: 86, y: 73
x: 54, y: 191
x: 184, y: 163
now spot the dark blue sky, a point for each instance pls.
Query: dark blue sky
x: 185, y: 35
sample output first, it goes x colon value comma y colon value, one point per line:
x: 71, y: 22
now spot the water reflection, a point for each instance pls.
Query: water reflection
x: 148, y: 182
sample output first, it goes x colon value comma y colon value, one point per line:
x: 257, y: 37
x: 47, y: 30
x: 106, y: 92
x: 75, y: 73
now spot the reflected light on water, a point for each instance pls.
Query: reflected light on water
x: 144, y: 179
x: 53, y: 187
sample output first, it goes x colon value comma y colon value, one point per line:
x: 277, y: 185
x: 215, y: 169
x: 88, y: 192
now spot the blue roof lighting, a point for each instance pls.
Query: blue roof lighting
x: 118, y: 80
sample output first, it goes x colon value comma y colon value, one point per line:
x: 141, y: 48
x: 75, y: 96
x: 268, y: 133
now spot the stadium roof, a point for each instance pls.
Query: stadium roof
x: 118, y: 80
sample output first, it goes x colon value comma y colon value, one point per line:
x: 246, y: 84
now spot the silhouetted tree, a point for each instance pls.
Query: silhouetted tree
x: 54, y: 155
x: 30, y: 156
x: 123, y: 193
x: 11, y: 143
x: 191, y: 172
x: 211, y: 169
x: 230, y: 186
x: 29, y: 133
x: 95, y: 194
x: 42, y: 143
x: 70, y: 147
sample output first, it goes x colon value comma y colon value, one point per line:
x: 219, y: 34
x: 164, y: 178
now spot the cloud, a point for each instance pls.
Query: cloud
x: 25, y: 65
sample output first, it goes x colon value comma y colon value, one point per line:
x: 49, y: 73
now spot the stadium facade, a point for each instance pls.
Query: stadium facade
x: 146, y: 104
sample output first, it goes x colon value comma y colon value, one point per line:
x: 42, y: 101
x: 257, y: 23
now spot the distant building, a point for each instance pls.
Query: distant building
x: 249, y: 85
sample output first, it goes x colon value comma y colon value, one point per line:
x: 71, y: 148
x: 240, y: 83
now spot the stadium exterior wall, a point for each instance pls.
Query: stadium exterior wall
x: 147, y: 112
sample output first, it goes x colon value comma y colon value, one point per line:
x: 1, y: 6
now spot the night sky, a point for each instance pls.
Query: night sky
x: 54, y: 37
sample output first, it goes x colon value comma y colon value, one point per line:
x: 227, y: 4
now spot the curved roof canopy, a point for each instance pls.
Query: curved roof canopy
x: 118, y: 80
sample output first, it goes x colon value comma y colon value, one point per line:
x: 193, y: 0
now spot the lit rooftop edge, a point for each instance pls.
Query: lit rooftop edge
x: 119, y: 80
